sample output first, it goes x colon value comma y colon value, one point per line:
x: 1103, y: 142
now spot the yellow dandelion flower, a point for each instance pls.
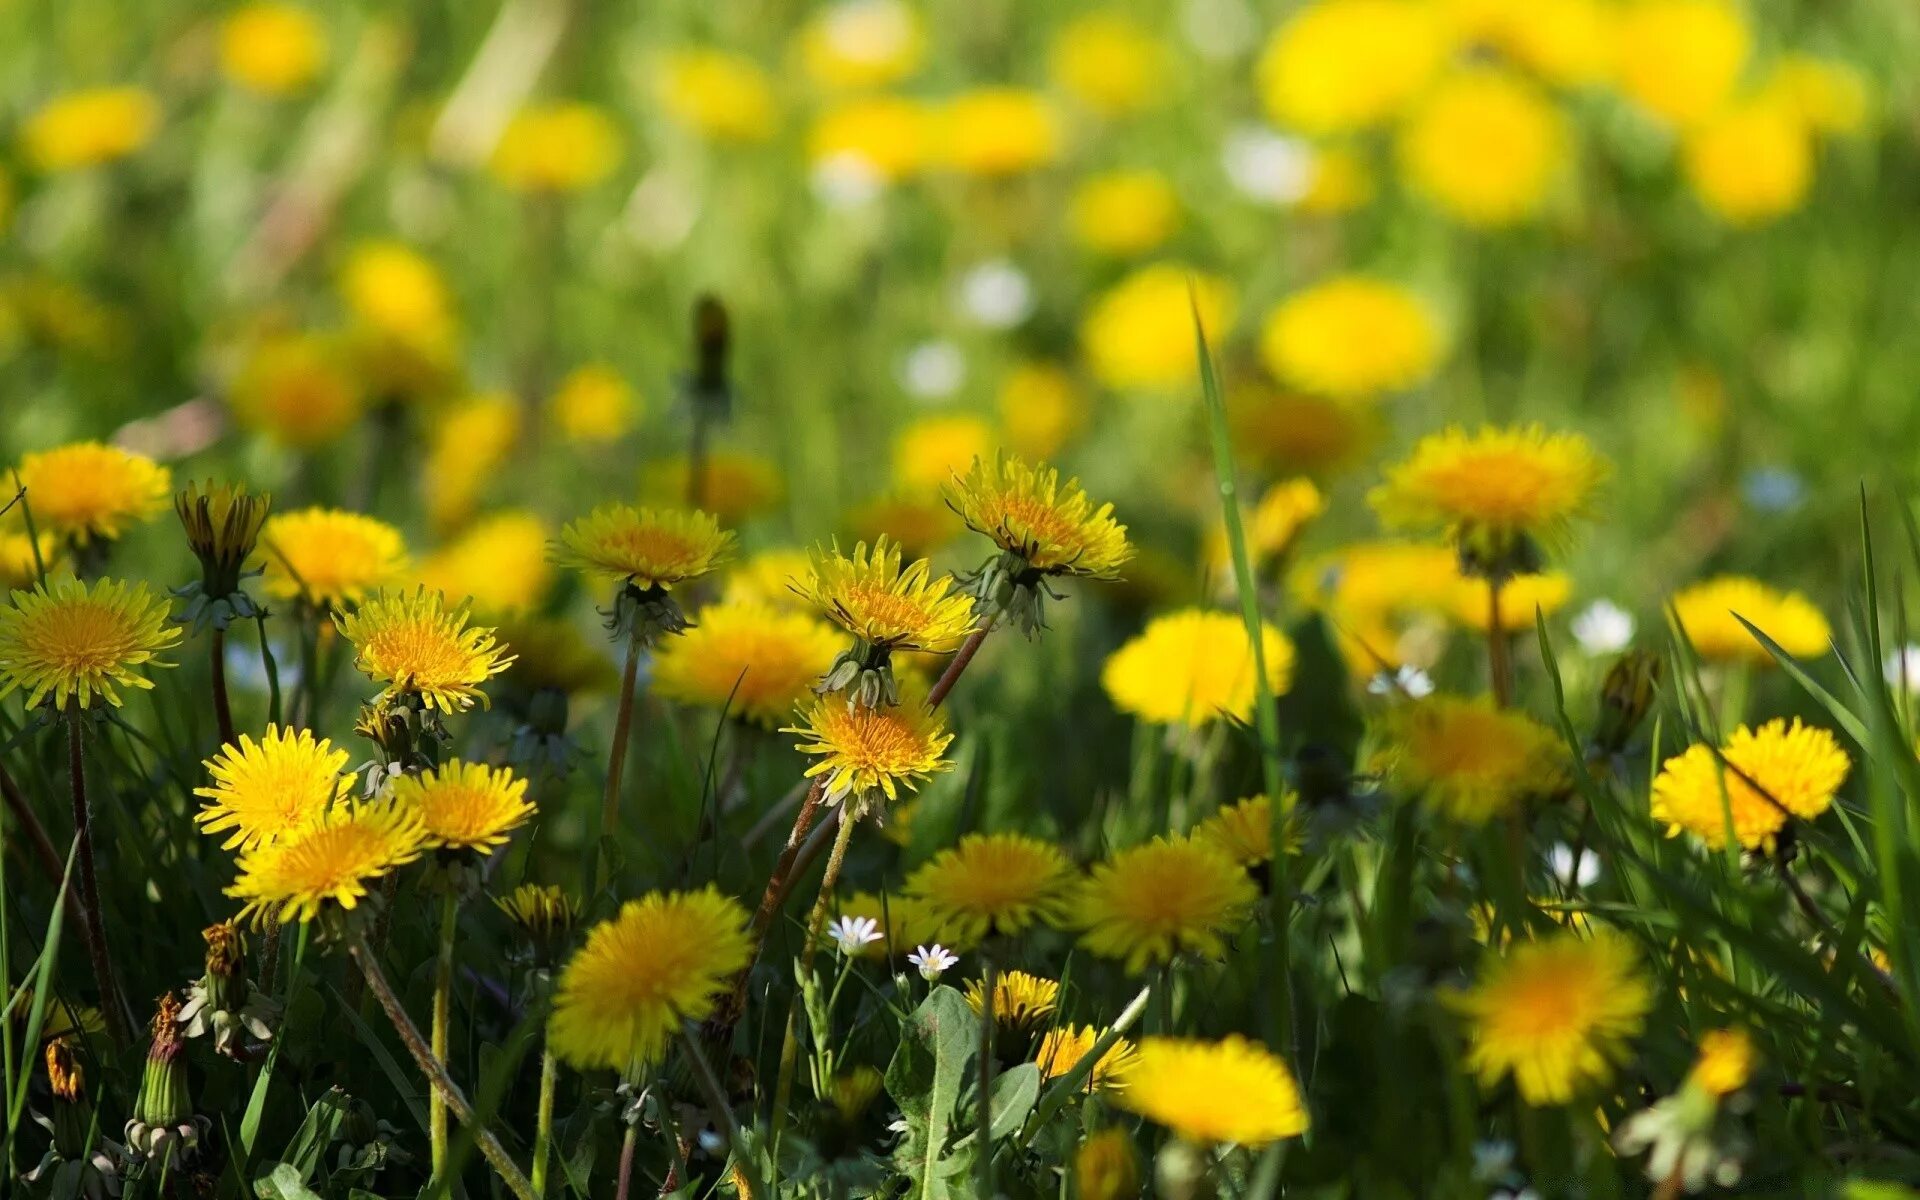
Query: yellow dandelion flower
x: 993, y: 883
x: 733, y: 486
x: 336, y: 857
x: 1138, y: 334
x: 19, y: 564
x: 1371, y: 589
x: 298, y: 389
x: 1493, y: 490
x: 1769, y: 774
x: 1338, y: 181
x: 1556, y: 1014
x: 904, y: 922
x: 1106, y: 1166
x: 1271, y: 529
x: 417, y: 647
x: 1520, y: 597
x: 1194, y: 666
x: 594, y: 403
x: 1351, y: 337
x: 1124, y: 213
x: 87, y: 490
x: 998, y: 131
x: 1283, y: 433
x: 874, y: 599
x: 1230, y: 1091
x: 1052, y: 527
x: 1725, y: 1064
x: 1830, y: 96
x: 722, y: 96
x: 885, y: 138
x: 769, y: 578
x: 1108, y: 62
x: 1750, y: 163
x: 76, y: 641
x: 645, y: 547
x: 466, y: 806
x: 1566, y: 42
x: 1344, y: 65
x: 862, y: 43
x: 1710, y: 614
x: 328, y: 557
x: 470, y: 443
x: 265, y: 790
x: 756, y: 661
x: 1020, y: 1000
x: 88, y: 127
x: 917, y: 523
x: 869, y: 751
x: 1171, y: 896
x: 396, y: 291
x: 932, y: 450
x: 1041, y: 408
x: 544, y: 913
x: 272, y: 48
x: 566, y: 146
x: 553, y: 655
x: 1063, y: 1048
x: 1680, y: 59
x: 499, y: 562
x: 1243, y: 831
x: 1485, y: 147
x: 1471, y: 760
x: 662, y: 962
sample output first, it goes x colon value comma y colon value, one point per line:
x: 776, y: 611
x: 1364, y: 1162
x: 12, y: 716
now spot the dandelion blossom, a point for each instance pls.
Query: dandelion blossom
x: 1338, y: 66
x: 328, y: 557
x: 1750, y: 163
x: 466, y: 806
x: 1771, y: 773
x: 871, y: 597
x: 499, y: 562
x: 998, y: 131
x: 89, y: 127
x: 1020, y: 1000
x: 1193, y: 667
x: 1485, y: 147
x: 272, y: 48
x: 755, y: 661
x: 1063, y: 1049
x: 82, y: 642
x: 1138, y: 334
x: 645, y: 547
x: 336, y: 857
x: 993, y: 883
x: 1109, y: 63
x: 1051, y: 527
x: 1351, y: 337
x: 561, y: 147
x: 640, y: 976
x: 1556, y: 1014
x: 721, y: 96
x: 417, y: 647
x: 1170, y: 896
x: 872, y: 751
x: 1715, y: 613
x: 1124, y: 213
x: 1725, y: 1062
x: 932, y: 450
x: 1470, y: 759
x: 1243, y: 831
x: 1520, y: 597
x: 90, y: 490
x: 1680, y: 59
x: 1230, y: 1091
x: 264, y: 790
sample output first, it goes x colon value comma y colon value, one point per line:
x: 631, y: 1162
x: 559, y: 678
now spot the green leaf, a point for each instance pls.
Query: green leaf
x: 929, y: 1068
x: 284, y: 1182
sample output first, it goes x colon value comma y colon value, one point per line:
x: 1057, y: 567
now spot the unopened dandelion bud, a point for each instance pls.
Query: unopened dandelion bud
x: 72, y: 1110
x: 1106, y: 1167
x: 544, y: 915
x: 164, y: 1127
x: 1627, y: 693
x: 223, y: 524
x: 224, y: 1003
x: 710, y: 386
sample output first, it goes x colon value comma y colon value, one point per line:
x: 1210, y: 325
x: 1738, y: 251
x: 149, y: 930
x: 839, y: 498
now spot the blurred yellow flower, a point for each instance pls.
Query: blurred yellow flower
x: 1192, y: 667
x: 1287, y: 433
x: 553, y: 655
x: 1750, y: 163
x: 1341, y: 65
x: 396, y: 291
x: 72, y: 640
x: 1232, y: 1091
x: 1829, y: 95
x: 1041, y: 408
x: 1172, y: 896
x: 298, y: 389
x: 993, y: 883
x: 329, y: 557
x: 1064, y: 1046
x: 1243, y: 831
x: 1351, y: 337
x: 1109, y: 62
x: 996, y: 131
x: 722, y: 96
x: 888, y: 136
x: 932, y: 450
x: 593, y: 403
x: 565, y: 146
x: 770, y: 578
x: 418, y: 647
x: 1124, y: 213
x: 88, y: 127
x: 335, y: 858
x: 88, y: 490
x: 1470, y: 759
x: 1494, y: 490
x: 1138, y: 334
x: 272, y: 48
x: 499, y: 562
x: 1271, y: 529
x: 1338, y: 181
x: 1566, y: 42
x: 1755, y: 782
x: 1680, y: 59
x: 1711, y: 611
x: 469, y: 444
x: 919, y: 522
x: 465, y: 805
x: 1725, y: 1062
x: 758, y: 662
x: 1106, y: 1166
x: 1520, y: 595
x: 1558, y: 1015
x: 862, y: 43
x: 19, y: 565
x: 733, y: 486
x: 1485, y: 147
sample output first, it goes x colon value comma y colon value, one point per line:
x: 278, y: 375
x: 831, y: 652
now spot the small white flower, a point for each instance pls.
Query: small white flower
x: 851, y: 933
x: 933, y: 370
x: 933, y: 961
x: 1560, y: 862
x: 1603, y: 627
x: 1902, y: 668
x: 1410, y: 681
x: 1218, y: 28
x: 1267, y: 167
x: 847, y: 181
x: 997, y: 294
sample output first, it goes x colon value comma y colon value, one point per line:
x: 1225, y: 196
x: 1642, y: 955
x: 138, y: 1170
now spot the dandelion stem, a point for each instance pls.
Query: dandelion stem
x: 1499, y: 653
x: 543, y: 1119
x: 442, y: 1012
x: 816, y: 921
x: 626, y: 1159
x: 490, y: 1147
x: 43, y: 849
x: 222, y: 708
x: 983, y: 1142
x: 616, y: 763
x: 961, y: 658
x: 91, y: 927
